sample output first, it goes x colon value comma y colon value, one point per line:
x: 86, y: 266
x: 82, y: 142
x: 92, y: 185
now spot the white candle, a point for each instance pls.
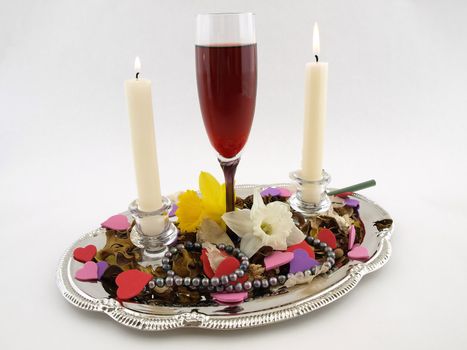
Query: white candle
x: 139, y: 99
x: 316, y: 81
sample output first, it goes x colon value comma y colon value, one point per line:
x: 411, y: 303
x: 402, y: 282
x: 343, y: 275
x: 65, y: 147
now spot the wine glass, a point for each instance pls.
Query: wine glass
x: 226, y: 75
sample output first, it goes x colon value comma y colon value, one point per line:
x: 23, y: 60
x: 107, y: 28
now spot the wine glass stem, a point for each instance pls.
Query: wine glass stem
x: 229, y: 166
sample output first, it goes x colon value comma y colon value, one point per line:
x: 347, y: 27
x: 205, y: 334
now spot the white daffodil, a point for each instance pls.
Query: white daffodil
x: 264, y: 225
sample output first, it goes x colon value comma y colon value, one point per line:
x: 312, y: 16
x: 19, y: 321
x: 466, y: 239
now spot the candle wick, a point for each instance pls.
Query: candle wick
x: 137, y: 75
x: 316, y: 57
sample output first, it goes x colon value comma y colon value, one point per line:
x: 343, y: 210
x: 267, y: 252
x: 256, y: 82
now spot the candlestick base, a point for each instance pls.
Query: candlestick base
x: 153, y: 232
x: 310, y: 197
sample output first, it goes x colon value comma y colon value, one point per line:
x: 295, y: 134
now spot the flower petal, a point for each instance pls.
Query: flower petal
x: 190, y: 211
x: 250, y: 244
x: 239, y: 222
x: 258, y: 203
x: 296, y: 236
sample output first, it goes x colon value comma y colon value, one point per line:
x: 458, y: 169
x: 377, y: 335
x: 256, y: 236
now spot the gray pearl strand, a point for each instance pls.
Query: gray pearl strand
x: 224, y: 283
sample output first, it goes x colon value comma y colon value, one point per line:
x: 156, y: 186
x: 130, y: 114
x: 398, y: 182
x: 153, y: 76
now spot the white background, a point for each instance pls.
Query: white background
x: 397, y: 113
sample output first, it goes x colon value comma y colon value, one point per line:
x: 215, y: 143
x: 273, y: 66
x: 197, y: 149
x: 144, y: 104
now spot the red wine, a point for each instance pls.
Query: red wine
x: 226, y: 78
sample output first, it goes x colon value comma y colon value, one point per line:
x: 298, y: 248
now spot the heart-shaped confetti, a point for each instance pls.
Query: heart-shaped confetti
x: 301, y: 261
x: 271, y: 191
x: 325, y: 235
x: 101, y: 267
x: 351, y: 237
x: 130, y: 283
x: 173, y: 210
x: 88, y: 272
x: 85, y: 254
x: 228, y: 266
x: 207, y: 269
x: 230, y: 298
x: 277, y: 259
x: 117, y: 222
x: 359, y: 253
x: 285, y: 192
x: 344, y: 194
x: 303, y: 245
x: 351, y: 202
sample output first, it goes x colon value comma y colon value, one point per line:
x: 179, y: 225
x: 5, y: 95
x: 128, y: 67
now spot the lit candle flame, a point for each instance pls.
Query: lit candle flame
x: 316, y: 39
x: 137, y: 64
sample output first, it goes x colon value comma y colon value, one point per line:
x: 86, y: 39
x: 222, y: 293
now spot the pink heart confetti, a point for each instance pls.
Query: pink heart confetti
x: 301, y: 261
x: 285, y: 192
x: 350, y: 202
x: 351, y: 237
x: 101, y: 267
x: 271, y: 191
x: 359, y: 253
x: 277, y: 259
x: 88, y: 272
x: 230, y: 298
x: 117, y: 222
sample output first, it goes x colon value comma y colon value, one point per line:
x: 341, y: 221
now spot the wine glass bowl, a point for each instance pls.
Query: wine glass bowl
x: 226, y: 72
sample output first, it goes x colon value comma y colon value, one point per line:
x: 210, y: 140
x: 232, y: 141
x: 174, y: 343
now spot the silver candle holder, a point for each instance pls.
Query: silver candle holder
x: 153, y: 232
x: 311, y: 197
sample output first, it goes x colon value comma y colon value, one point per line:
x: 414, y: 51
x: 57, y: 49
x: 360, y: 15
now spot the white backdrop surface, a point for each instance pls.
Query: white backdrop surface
x: 397, y: 113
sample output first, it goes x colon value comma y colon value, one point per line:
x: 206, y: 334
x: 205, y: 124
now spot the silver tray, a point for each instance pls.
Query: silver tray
x: 299, y: 300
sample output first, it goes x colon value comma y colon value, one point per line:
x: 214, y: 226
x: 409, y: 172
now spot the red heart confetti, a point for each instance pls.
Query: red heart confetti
x: 325, y: 235
x: 85, y: 254
x: 359, y: 253
x: 117, y: 222
x: 228, y: 266
x: 130, y: 283
x: 344, y: 194
x: 303, y: 245
x: 88, y: 272
x: 206, y: 264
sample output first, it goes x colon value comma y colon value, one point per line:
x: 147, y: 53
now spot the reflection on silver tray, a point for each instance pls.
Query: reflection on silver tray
x: 297, y: 301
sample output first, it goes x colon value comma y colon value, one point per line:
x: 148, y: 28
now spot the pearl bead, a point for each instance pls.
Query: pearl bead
x: 221, y: 246
x: 205, y: 282
x: 235, y: 252
x: 264, y: 283
x: 169, y: 281
x: 233, y: 277
x: 229, y: 288
x: 196, y: 281
x: 168, y: 254
x: 215, y: 281
x: 247, y: 285
x: 187, y: 281
x: 323, y: 245
x: 165, y: 260
x: 281, y: 279
x: 189, y: 245
x: 151, y: 284
x: 310, y: 240
x: 273, y: 281
x: 229, y: 249
x: 240, y: 273
x: 328, y: 249
x: 197, y: 246
x: 307, y: 273
x: 173, y: 250
x: 171, y: 273
x: 238, y: 287
x: 224, y: 279
x: 179, y: 246
x: 178, y: 280
x: 219, y: 288
x: 159, y: 282
x: 257, y: 283
x: 166, y: 267
x: 331, y: 261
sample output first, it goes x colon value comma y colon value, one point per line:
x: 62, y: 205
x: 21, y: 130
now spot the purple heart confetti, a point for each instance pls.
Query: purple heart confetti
x: 174, y: 209
x: 101, y: 267
x: 271, y: 191
x: 301, y: 261
x: 350, y: 202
